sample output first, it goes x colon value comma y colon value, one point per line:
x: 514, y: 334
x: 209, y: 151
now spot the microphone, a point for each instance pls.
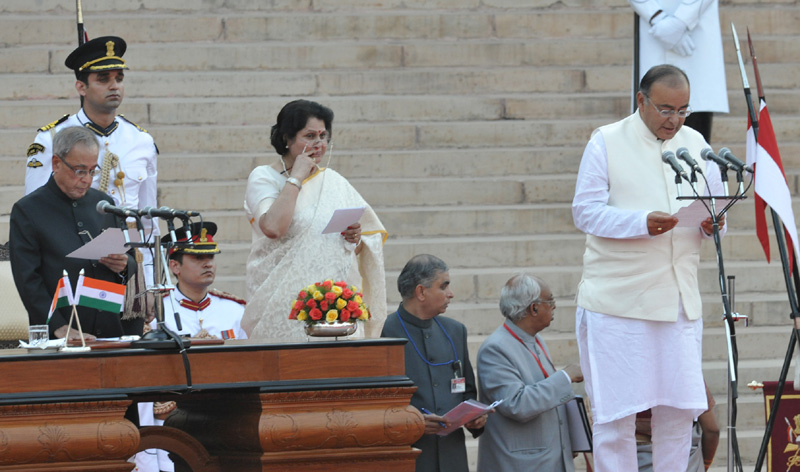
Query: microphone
x: 105, y: 207
x: 669, y: 158
x: 735, y: 162
x: 684, y: 155
x: 708, y: 155
x: 167, y: 213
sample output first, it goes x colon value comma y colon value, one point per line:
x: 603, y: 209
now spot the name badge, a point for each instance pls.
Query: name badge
x: 458, y: 385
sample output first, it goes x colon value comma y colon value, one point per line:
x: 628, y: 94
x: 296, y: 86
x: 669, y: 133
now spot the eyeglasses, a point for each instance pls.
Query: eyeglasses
x: 81, y: 173
x: 551, y: 302
x: 670, y: 113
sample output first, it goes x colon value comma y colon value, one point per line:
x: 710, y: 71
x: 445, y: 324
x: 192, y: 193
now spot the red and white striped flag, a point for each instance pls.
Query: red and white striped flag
x: 770, y: 181
x: 99, y: 294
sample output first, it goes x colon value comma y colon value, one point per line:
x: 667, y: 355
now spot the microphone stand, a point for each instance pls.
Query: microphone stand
x: 729, y: 318
x: 162, y: 337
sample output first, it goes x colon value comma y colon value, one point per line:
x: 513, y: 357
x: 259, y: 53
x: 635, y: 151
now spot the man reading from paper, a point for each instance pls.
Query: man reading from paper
x: 639, y: 320
x: 53, y: 221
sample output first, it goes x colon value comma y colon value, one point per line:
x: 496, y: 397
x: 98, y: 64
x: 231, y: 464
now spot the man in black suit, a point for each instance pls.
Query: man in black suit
x: 53, y: 221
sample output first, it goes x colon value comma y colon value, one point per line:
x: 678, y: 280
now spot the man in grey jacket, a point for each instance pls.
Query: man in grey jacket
x: 529, y: 430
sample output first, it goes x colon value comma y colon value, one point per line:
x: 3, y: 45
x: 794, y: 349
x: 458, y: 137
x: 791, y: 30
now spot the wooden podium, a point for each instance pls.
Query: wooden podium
x: 322, y: 406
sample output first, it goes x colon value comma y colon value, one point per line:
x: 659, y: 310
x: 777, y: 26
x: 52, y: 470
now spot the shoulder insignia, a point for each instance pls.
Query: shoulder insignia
x: 53, y: 124
x: 227, y: 296
x: 134, y: 124
x: 34, y: 163
x: 33, y: 150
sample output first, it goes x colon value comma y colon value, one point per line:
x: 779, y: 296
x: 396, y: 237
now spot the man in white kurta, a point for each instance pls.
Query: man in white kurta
x: 639, y: 316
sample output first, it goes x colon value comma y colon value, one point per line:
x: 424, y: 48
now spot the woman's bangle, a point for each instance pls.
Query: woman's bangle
x: 294, y: 181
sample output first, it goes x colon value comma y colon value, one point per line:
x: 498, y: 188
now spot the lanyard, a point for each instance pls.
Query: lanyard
x: 529, y: 350
x: 455, y: 354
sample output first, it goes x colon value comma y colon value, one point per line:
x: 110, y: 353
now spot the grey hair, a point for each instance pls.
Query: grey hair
x: 421, y: 269
x: 67, y: 138
x: 520, y: 292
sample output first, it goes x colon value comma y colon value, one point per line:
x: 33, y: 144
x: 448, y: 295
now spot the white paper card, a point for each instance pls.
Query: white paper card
x: 696, y: 213
x: 342, y: 218
x: 110, y: 241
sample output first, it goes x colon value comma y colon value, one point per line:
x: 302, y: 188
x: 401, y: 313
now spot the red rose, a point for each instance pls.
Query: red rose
x: 302, y: 294
x: 327, y: 285
x: 341, y: 284
x: 357, y: 312
x: 323, y: 305
x: 315, y: 314
x: 298, y: 305
x: 293, y: 314
x: 311, y: 303
x: 344, y: 315
x: 352, y: 306
x: 331, y: 297
x: 347, y: 293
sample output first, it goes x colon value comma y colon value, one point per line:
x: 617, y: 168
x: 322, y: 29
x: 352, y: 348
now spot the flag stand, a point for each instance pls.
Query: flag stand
x: 83, y: 347
x: 789, y: 266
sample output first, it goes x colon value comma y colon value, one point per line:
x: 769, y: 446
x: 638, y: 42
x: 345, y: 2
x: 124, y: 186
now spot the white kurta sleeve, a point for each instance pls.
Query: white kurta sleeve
x: 590, y: 209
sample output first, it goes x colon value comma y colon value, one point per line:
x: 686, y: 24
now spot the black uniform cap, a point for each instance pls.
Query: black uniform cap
x: 97, y: 55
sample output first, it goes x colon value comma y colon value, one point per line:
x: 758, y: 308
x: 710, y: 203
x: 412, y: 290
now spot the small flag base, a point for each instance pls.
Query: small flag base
x: 75, y: 349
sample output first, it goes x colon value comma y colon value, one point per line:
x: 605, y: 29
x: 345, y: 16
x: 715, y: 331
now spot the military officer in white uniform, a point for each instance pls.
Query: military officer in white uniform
x: 127, y: 155
x: 217, y: 313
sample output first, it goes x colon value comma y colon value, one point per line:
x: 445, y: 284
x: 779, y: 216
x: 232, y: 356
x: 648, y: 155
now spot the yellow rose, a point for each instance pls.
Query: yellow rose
x: 311, y: 288
x: 337, y: 290
x: 340, y: 303
x: 302, y: 316
x: 364, y: 315
x: 332, y: 316
x: 318, y: 296
x: 357, y: 299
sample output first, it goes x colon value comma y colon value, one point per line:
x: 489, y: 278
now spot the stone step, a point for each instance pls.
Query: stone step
x: 459, y: 80
x: 196, y: 6
x: 482, y: 316
x: 367, y: 108
x: 516, y: 253
x: 371, y: 108
x: 347, y: 54
x: 415, y: 135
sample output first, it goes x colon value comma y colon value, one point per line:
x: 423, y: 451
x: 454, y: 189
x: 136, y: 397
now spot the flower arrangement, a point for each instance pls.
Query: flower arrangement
x: 329, y: 301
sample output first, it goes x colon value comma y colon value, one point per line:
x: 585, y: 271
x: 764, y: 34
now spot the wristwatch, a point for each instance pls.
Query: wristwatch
x: 295, y: 182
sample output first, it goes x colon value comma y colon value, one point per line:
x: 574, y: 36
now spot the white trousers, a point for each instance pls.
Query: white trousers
x: 615, y: 442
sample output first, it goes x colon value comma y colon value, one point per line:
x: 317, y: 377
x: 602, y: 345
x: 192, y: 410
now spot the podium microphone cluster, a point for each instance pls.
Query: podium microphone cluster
x: 726, y: 160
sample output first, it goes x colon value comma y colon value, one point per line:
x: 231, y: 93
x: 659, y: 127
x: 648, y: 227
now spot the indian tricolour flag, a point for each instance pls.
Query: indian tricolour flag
x: 99, y: 294
x: 62, y: 297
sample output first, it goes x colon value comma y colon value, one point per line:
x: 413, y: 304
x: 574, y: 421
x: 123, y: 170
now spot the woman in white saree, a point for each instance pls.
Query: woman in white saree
x: 288, y: 205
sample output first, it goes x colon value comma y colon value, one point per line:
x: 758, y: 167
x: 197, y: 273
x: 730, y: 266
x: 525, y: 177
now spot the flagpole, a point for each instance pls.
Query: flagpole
x: 791, y: 291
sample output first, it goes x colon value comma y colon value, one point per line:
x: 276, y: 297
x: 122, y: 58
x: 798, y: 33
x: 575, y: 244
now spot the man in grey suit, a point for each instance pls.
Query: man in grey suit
x: 528, y: 431
x: 436, y: 359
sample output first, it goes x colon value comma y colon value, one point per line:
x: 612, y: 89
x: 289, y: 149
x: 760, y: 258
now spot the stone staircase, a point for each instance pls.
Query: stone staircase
x: 461, y: 121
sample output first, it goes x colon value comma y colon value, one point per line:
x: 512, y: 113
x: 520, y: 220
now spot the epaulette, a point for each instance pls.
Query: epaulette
x: 35, y: 149
x: 53, y: 124
x: 227, y: 296
x: 134, y: 124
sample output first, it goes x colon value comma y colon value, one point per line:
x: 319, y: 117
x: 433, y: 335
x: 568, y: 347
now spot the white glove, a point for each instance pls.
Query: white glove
x: 685, y: 46
x: 668, y: 31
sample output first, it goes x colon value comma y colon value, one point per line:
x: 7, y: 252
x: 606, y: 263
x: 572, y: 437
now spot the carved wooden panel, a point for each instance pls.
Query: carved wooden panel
x: 52, y: 436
